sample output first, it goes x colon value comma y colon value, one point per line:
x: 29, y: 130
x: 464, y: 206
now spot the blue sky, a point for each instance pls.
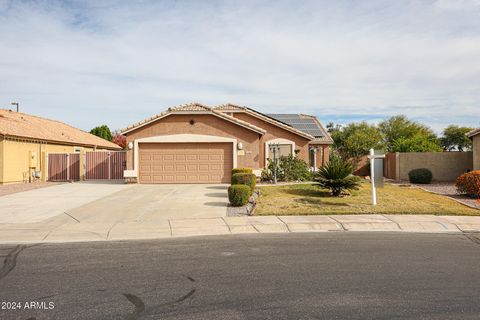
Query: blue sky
x: 117, y: 62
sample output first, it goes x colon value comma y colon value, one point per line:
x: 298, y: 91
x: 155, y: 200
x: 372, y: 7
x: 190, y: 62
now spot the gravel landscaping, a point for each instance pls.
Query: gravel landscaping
x: 448, y: 189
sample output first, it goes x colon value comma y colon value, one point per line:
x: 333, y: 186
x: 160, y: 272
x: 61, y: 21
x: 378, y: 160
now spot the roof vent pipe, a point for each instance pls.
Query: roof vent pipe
x: 15, y: 104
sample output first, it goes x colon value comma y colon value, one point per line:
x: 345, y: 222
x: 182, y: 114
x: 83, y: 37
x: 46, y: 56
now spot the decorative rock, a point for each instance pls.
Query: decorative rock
x: 246, y: 210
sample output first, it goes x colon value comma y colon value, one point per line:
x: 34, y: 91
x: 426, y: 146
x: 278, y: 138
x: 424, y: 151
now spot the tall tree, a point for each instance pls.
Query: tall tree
x: 417, y: 143
x: 102, y: 131
x: 356, y: 139
x: 331, y: 127
x: 407, y: 132
x: 455, y: 138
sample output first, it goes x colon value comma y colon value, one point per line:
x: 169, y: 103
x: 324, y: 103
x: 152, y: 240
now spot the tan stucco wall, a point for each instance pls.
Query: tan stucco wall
x: 204, y: 125
x: 1, y: 160
x: 445, y: 166
x: 15, y: 155
x: 476, y: 152
x: 274, y: 132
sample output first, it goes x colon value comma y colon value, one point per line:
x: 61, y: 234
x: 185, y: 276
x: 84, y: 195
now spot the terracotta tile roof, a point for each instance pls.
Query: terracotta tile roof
x: 192, y: 107
x: 22, y: 125
x: 473, y: 133
x: 228, y: 106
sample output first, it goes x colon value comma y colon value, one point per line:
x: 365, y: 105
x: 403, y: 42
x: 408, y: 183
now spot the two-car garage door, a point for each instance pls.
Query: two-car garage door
x: 185, y: 162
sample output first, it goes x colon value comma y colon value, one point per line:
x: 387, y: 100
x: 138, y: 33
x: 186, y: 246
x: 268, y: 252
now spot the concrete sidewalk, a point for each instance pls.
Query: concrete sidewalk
x: 69, y: 229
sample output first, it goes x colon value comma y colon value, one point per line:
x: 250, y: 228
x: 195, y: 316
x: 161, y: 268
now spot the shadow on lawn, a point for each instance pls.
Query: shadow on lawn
x: 321, y: 202
x: 309, y: 192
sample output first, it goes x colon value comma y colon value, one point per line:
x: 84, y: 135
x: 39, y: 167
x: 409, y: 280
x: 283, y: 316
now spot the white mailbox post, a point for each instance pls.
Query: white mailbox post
x: 376, y: 172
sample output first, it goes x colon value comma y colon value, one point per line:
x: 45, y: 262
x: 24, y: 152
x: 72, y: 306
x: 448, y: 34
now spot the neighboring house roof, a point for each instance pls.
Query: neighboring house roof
x: 473, y: 133
x: 22, y: 125
x: 306, y: 123
x: 189, y: 108
x: 232, y: 107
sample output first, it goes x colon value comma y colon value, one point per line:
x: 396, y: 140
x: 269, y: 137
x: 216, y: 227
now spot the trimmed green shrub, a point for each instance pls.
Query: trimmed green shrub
x: 289, y: 168
x: 238, y: 194
x: 242, y: 170
x: 294, y: 168
x: 248, y: 179
x: 469, y: 184
x: 421, y: 176
x: 337, y: 175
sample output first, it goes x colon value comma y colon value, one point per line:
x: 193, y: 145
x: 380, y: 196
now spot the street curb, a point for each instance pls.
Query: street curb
x: 181, y: 228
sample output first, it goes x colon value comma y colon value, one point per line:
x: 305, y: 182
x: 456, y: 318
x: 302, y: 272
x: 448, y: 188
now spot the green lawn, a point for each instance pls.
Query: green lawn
x: 309, y: 199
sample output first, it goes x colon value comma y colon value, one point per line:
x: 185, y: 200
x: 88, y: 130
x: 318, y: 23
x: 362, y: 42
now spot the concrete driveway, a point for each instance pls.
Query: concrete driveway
x: 104, y: 202
x: 42, y: 204
x: 152, y: 203
x: 85, y: 211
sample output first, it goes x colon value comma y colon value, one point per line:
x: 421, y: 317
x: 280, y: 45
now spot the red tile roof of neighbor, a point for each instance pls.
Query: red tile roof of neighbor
x: 22, y: 125
x: 473, y: 133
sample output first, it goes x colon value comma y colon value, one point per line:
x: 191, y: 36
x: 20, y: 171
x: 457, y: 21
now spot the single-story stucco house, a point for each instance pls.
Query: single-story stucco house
x: 475, y: 136
x: 26, y: 140
x: 194, y: 143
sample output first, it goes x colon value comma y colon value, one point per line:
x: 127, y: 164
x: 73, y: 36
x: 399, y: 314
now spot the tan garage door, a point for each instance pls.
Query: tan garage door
x: 185, y: 162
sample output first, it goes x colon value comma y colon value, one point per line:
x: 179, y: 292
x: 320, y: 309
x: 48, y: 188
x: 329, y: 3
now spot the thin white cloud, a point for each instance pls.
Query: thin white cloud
x: 86, y: 63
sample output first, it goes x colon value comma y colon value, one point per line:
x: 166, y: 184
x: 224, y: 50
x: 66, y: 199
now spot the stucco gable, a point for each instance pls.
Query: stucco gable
x: 192, y: 108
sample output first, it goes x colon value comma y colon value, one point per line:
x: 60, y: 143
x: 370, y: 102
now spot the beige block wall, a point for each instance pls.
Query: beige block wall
x: 476, y: 152
x: 16, y: 162
x: 445, y: 166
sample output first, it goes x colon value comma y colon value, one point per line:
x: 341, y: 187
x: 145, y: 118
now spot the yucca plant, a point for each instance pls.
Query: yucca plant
x: 337, y: 175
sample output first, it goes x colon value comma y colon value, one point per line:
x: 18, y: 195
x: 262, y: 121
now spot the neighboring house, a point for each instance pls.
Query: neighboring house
x: 475, y: 136
x: 26, y: 140
x: 194, y: 143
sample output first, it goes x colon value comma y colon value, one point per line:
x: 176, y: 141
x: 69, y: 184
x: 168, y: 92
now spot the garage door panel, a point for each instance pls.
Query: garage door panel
x: 192, y: 168
x: 215, y: 157
x: 203, y: 167
x: 192, y: 178
x: 215, y: 177
x: 216, y: 167
x: 180, y: 168
x: 185, y: 162
x: 145, y: 157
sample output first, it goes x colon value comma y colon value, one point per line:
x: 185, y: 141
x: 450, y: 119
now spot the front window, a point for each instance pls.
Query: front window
x: 283, y: 150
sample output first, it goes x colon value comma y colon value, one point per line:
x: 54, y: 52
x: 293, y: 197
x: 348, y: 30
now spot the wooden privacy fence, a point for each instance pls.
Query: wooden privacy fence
x: 63, y: 167
x: 105, y: 165
x: 97, y: 165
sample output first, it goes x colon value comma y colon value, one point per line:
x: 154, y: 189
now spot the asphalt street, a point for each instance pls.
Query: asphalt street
x: 287, y: 276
